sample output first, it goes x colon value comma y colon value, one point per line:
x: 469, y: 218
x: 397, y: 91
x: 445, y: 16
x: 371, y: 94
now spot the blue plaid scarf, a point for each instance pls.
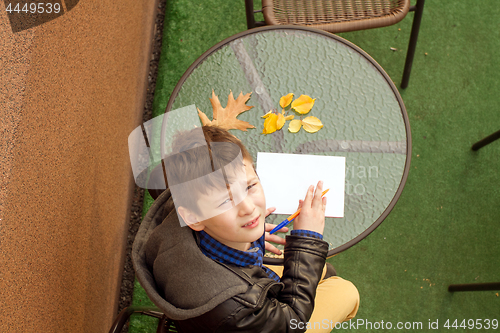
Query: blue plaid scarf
x: 254, y: 256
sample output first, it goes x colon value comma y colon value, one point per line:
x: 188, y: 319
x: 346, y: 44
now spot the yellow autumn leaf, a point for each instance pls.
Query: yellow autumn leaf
x: 280, y: 122
x: 270, y: 124
x: 312, y: 124
x: 286, y: 100
x: 303, y: 104
x: 295, y: 125
x: 267, y: 114
x: 287, y: 117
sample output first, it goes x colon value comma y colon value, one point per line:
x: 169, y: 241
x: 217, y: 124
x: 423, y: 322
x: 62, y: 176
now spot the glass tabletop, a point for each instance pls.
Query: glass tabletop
x: 362, y: 112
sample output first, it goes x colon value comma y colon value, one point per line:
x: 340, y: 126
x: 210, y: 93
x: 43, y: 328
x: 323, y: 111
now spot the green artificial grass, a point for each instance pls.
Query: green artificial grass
x: 444, y: 228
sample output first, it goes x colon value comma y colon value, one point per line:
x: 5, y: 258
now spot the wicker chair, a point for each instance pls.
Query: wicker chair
x: 341, y: 16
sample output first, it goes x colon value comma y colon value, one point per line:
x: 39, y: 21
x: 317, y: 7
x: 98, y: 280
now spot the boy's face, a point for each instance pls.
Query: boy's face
x: 238, y: 225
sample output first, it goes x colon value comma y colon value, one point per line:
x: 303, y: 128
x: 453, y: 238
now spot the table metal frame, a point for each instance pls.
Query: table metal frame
x: 385, y: 213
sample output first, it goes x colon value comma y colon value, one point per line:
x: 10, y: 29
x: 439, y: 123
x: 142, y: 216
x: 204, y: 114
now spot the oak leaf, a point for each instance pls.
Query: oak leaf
x: 226, y: 117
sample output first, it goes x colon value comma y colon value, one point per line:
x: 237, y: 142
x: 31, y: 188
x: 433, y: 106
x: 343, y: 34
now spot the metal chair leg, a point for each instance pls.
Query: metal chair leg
x: 487, y: 140
x: 249, y: 12
x: 162, y: 327
x: 417, y: 18
x: 125, y: 314
x: 474, y: 286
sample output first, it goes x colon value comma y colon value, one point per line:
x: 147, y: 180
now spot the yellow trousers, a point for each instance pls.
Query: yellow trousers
x: 337, y: 300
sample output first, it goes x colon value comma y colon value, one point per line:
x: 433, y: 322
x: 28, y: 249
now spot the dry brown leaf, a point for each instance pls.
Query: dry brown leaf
x: 226, y: 117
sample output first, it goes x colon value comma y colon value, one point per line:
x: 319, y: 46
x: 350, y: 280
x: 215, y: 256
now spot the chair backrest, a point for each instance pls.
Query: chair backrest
x: 335, y: 15
x: 142, y: 270
x: 148, y: 238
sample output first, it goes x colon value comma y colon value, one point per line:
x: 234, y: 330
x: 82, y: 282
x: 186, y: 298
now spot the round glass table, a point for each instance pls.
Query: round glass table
x: 363, y: 114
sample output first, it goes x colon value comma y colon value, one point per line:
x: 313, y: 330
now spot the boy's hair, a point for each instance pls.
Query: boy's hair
x: 196, y: 156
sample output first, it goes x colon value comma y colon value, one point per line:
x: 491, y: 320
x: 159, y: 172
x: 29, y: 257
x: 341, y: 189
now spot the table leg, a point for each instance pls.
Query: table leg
x: 474, y: 286
x: 487, y: 140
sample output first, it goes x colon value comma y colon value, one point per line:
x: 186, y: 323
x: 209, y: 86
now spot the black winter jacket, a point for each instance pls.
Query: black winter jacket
x: 202, y: 295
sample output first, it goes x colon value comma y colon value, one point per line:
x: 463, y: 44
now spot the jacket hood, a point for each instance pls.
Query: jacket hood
x: 177, y: 277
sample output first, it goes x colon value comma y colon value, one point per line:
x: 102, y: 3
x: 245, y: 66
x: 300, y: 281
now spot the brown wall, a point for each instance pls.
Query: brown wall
x: 71, y: 91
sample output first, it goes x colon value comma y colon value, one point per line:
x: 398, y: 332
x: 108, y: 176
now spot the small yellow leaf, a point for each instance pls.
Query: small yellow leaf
x: 295, y: 125
x: 286, y: 100
x: 290, y: 117
x: 280, y: 122
x: 312, y: 124
x: 303, y: 104
x: 270, y: 124
x: 267, y: 114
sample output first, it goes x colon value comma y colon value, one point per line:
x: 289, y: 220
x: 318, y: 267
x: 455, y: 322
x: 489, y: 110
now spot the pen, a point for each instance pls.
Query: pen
x: 291, y: 217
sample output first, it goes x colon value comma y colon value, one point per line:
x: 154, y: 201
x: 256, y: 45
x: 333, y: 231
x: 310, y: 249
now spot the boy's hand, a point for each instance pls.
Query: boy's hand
x: 312, y: 213
x: 273, y: 238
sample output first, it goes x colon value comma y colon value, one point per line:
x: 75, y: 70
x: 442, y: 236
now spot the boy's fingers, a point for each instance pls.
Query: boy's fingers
x: 309, y: 195
x: 269, y: 227
x: 300, y: 203
x: 275, y: 239
x: 284, y: 229
x: 270, y: 210
x: 271, y: 248
x: 317, y: 195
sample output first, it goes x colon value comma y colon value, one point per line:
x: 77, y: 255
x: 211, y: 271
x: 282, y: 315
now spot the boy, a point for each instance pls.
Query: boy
x: 212, y: 275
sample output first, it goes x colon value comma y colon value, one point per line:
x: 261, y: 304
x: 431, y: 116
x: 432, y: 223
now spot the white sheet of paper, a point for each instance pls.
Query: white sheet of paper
x: 286, y: 178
